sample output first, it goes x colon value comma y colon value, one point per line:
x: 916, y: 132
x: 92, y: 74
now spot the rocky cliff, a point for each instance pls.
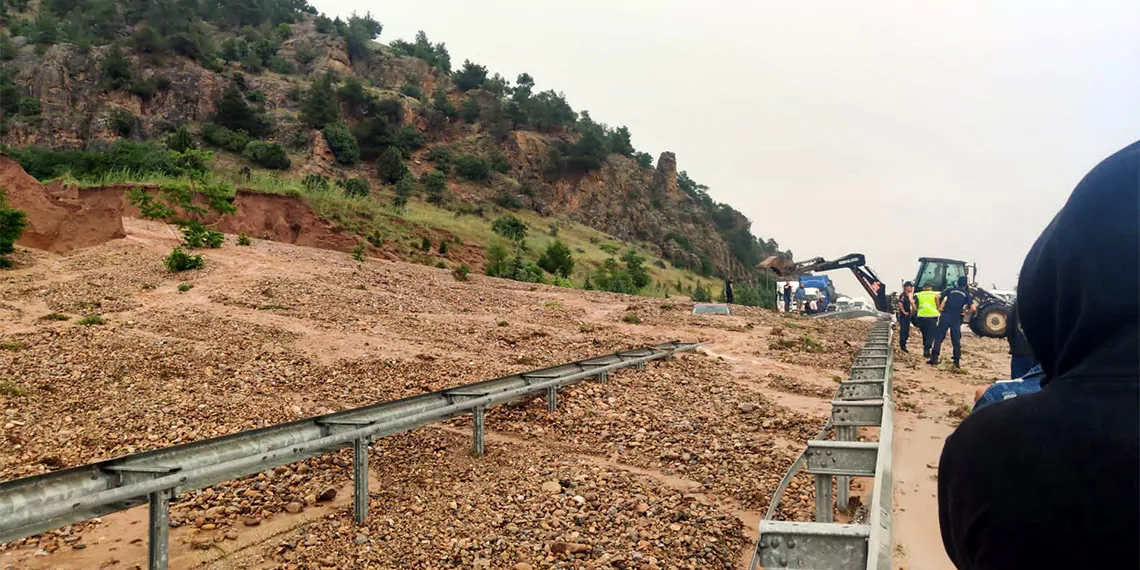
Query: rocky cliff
x: 79, y: 109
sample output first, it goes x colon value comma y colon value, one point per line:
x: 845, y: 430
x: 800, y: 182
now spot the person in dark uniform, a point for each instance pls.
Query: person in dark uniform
x: 906, y: 311
x: 787, y: 297
x: 955, y: 302
x: 728, y: 290
x: 1021, y: 358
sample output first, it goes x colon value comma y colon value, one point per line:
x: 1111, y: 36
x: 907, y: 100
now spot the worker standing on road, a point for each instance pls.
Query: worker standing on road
x: 787, y: 297
x: 906, y: 311
x: 728, y: 290
x: 801, y: 296
x: 955, y: 302
x: 926, y: 315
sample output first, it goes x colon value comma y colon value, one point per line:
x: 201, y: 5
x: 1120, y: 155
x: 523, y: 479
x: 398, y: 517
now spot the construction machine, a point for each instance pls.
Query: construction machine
x: 941, y: 274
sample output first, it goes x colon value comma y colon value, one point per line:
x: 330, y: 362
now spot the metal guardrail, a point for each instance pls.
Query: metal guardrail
x: 32, y: 505
x: 863, y: 400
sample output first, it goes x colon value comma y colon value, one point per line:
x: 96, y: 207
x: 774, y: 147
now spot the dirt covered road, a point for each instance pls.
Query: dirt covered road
x: 663, y: 468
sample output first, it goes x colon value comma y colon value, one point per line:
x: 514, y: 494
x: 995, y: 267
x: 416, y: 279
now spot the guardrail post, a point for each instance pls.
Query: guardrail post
x: 603, y: 377
x: 551, y: 399
x: 158, y: 553
x: 360, y: 479
x: 823, y: 500
x: 477, y: 430
x: 843, y: 482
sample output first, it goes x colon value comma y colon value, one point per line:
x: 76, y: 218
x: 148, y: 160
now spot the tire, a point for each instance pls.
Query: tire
x: 990, y: 321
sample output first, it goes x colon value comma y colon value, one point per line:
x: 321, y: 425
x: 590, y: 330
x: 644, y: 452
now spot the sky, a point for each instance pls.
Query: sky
x: 897, y: 129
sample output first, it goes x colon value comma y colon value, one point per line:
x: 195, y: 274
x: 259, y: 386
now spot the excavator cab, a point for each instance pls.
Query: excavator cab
x: 941, y: 274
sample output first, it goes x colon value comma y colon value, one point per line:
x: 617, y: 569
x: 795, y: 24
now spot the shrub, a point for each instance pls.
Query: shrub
x: 702, y: 294
x: 357, y: 187
x: 179, y: 260
x: 342, y: 143
x: 195, y: 236
x: 461, y: 272
x: 224, y: 138
x: 55, y: 317
x: 390, y: 166
x: 358, y: 253
x: 472, y: 167
x: 181, y: 140
x: 470, y: 110
x: 269, y: 155
x: 116, y: 69
x: 243, y: 239
x: 12, y: 224
x: 319, y: 108
x: 29, y: 107
x: 161, y: 82
x: 403, y: 191
x: 91, y: 320
x: 123, y: 122
x: 234, y: 113
x: 255, y: 96
x: 631, y: 318
x: 557, y: 259
x: 412, y: 90
x: 435, y: 182
x: 443, y: 247
x: 441, y: 104
x: 184, y: 287
x: 644, y: 159
x: 510, y: 227
x: 425, y: 244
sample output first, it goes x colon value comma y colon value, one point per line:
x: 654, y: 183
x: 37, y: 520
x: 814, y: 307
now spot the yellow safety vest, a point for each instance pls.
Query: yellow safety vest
x: 927, y: 303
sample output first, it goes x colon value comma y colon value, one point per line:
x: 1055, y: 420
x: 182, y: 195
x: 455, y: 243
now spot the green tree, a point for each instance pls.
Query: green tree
x: 470, y: 110
x: 342, y: 143
x: 557, y: 259
x: 470, y: 76
x: 186, y: 207
x: 441, y: 104
x: 404, y: 190
x: 235, y: 114
x: 360, y: 31
x: 435, y: 183
x: 644, y: 159
x: 117, y: 70
x: 635, y: 266
x: 319, y: 107
x: 390, y: 166
x: 510, y: 227
x: 472, y: 167
x: 354, y: 97
x: 12, y: 224
x: 181, y: 140
x: 357, y: 187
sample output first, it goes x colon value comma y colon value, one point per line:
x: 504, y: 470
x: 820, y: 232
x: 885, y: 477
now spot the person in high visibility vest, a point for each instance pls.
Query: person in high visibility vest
x: 926, y: 315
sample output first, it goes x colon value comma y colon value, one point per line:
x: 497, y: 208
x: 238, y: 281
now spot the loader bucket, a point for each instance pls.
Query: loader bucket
x: 776, y: 264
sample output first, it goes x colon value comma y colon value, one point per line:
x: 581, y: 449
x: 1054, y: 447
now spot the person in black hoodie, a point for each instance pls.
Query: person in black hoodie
x: 1052, y: 479
x: 1021, y: 359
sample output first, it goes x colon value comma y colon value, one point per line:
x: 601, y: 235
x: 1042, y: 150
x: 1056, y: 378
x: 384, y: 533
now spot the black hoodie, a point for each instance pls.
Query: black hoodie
x: 1018, y: 344
x: 1052, y: 479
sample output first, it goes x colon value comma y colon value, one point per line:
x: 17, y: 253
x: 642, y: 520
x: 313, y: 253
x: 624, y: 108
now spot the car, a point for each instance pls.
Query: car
x: 711, y: 309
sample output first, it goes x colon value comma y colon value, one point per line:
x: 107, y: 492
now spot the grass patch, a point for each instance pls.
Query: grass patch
x: 11, y: 345
x: 553, y: 304
x: 91, y: 320
x: 184, y: 287
x: 11, y: 389
x: 803, y: 343
x: 273, y: 308
x: 631, y: 318
x: 502, y: 323
x: 54, y: 317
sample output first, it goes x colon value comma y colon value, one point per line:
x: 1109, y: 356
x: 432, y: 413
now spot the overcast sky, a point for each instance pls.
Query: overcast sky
x: 896, y: 129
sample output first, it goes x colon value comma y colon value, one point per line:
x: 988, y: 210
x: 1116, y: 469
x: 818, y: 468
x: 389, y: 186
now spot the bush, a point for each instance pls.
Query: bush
x: 425, y: 244
x: 629, y: 278
x: 644, y: 159
x: 443, y: 247
x: 404, y: 190
x: 412, y: 90
x: 441, y: 104
x: 470, y: 110
x: 181, y: 140
x: 390, y: 166
x: 510, y: 227
x: 91, y: 320
x: 461, y: 272
x: 342, y: 143
x: 358, y: 253
x: 631, y: 318
x: 161, y: 82
x: 221, y: 137
x: 123, y: 122
x: 116, y: 69
x: 315, y: 182
x: 12, y: 224
x: 319, y: 108
x: 55, y: 317
x: 557, y: 259
x: 441, y: 155
x: 435, y: 182
x: 29, y: 107
x: 508, y: 200
x: 243, y: 239
x: 195, y: 236
x: 136, y: 157
x: 184, y: 287
x: 357, y: 187
x: 269, y: 155
x: 702, y: 294
x: 179, y: 260
x: 472, y: 167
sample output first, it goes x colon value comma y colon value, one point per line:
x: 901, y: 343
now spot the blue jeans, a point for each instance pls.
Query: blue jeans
x: 1006, y: 389
x: 1021, y: 365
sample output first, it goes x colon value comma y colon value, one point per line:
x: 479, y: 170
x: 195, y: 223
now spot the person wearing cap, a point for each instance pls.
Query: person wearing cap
x: 926, y: 315
x: 906, y: 312
x: 955, y: 303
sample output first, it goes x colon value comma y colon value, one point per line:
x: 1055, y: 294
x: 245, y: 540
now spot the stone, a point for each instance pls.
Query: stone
x: 745, y: 407
x: 327, y: 495
x: 569, y: 548
x: 294, y: 508
x: 231, y: 534
x: 522, y: 566
x: 552, y: 487
x: 251, y: 521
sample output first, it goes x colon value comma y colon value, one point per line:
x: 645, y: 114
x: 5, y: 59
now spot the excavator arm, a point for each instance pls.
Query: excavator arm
x: 856, y: 262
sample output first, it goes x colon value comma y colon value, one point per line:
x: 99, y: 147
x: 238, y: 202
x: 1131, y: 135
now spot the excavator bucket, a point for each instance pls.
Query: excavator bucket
x: 777, y: 265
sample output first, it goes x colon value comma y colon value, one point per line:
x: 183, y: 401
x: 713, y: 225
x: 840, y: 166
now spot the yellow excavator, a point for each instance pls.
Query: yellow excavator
x: 940, y: 273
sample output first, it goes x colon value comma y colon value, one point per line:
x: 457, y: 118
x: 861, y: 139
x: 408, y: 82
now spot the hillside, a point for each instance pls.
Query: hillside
x: 293, y: 96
